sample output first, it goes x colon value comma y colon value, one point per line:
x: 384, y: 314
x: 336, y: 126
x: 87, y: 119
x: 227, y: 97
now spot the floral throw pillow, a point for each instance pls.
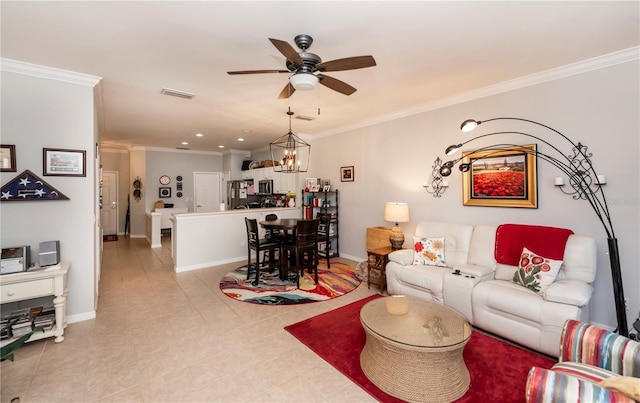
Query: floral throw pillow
x: 428, y: 251
x: 536, y: 272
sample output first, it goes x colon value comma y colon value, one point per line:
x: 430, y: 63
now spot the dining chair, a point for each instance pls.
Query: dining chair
x: 273, y: 233
x: 303, y: 249
x: 324, y: 237
x: 265, y: 246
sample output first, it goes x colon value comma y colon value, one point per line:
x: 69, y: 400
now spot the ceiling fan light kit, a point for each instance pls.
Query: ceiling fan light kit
x: 304, y: 81
x: 304, y: 64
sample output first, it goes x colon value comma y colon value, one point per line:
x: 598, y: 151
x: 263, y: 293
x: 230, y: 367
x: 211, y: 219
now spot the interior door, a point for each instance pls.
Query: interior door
x: 109, y: 211
x: 207, y: 191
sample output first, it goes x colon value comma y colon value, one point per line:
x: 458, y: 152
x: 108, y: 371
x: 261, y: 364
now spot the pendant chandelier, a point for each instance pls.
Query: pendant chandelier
x: 289, y: 153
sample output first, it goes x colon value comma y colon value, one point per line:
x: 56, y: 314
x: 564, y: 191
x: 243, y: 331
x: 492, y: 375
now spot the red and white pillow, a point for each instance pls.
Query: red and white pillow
x: 536, y: 272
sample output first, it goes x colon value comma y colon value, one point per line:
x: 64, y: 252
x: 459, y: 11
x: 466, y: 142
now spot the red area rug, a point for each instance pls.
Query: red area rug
x: 498, y: 369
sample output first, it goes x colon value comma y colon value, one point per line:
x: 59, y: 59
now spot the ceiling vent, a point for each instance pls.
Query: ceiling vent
x: 182, y: 148
x: 176, y: 93
x: 304, y: 117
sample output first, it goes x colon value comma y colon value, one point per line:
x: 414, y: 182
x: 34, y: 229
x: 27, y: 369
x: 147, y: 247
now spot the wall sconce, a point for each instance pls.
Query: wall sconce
x: 578, y: 180
x: 438, y: 186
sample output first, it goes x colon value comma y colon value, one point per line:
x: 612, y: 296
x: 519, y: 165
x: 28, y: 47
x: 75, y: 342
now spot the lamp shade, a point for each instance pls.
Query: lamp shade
x: 396, y: 212
x: 304, y: 81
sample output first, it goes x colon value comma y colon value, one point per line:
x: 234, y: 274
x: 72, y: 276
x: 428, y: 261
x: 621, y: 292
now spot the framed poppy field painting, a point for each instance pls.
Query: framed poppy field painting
x: 501, y: 177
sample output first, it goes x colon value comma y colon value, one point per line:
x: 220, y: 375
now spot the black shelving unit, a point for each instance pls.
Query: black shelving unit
x: 324, y: 202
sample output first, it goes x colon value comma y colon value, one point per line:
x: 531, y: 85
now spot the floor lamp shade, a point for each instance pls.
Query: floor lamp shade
x: 396, y: 212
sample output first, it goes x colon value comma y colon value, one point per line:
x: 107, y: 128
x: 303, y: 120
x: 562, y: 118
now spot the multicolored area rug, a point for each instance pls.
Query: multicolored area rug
x: 498, y: 370
x: 332, y: 283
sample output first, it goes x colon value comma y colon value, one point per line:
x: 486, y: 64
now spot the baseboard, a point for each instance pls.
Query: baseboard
x: 81, y: 317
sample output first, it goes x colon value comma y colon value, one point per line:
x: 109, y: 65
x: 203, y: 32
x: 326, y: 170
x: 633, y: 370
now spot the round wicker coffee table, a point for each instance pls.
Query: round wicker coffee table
x: 417, y: 356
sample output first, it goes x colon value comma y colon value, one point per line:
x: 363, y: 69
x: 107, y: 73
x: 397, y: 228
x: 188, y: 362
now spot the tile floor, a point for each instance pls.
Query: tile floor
x: 166, y: 337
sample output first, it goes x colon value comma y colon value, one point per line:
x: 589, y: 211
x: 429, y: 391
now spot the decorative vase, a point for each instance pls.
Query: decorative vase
x: 292, y: 202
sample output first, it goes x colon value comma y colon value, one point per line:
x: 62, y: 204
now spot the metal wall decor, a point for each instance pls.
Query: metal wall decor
x: 137, y: 186
x: 437, y: 185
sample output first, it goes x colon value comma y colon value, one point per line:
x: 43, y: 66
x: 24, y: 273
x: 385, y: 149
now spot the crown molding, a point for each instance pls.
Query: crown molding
x: 585, y: 66
x: 15, y: 66
x: 173, y: 150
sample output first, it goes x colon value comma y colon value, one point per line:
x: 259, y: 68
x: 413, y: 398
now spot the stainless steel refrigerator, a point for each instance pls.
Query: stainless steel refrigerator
x: 239, y: 194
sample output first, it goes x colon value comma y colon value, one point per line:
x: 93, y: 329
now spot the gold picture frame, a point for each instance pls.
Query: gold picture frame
x: 501, y: 177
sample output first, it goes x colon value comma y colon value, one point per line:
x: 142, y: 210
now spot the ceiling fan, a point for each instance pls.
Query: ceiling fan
x: 304, y: 64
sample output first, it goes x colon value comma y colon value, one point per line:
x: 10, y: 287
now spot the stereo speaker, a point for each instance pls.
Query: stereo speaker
x: 49, y: 253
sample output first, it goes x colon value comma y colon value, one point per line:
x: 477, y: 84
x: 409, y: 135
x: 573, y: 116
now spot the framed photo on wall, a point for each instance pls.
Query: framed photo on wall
x: 7, y: 158
x: 347, y: 174
x: 503, y: 177
x: 58, y: 162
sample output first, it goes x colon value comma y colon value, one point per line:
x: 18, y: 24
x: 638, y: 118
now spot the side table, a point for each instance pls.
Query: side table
x: 377, y: 261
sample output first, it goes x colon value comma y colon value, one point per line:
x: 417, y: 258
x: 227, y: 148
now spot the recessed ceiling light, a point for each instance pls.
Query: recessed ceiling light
x: 199, y: 134
x: 220, y: 146
x: 184, y: 143
x: 240, y: 139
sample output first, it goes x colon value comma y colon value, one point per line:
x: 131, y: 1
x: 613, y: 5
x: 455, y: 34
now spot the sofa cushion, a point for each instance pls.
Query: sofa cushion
x: 573, y: 292
x: 536, y: 272
x: 428, y: 251
x: 457, y: 239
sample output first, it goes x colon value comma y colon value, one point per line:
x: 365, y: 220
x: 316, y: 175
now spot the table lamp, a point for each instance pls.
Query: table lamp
x: 396, y: 212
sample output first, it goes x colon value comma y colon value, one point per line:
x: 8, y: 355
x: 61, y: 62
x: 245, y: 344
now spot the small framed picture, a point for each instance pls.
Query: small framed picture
x: 326, y: 188
x: 57, y: 162
x: 314, y: 188
x: 164, y: 192
x: 347, y: 174
x: 7, y: 158
x: 310, y: 182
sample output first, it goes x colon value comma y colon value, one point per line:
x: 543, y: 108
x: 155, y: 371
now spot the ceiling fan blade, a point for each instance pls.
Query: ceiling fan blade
x: 336, y: 84
x: 257, y: 72
x: 286, y: 91
x: 288, y: 51
x: 348, y: 63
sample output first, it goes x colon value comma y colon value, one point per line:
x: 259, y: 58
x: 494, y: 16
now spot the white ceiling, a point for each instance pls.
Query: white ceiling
x: 425, y: 51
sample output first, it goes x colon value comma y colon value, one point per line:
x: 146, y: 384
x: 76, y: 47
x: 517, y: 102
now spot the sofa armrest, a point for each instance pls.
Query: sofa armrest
x: 548, y: 386
x: 588, y: 344
x: 572, y: 292
x: 403, y: 257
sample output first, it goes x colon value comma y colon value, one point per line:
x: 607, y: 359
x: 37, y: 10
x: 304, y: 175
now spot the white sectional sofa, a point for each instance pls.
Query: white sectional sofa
x: 479, y: 287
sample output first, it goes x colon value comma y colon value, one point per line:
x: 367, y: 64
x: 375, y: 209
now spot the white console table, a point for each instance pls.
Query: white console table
x: 35, y: 284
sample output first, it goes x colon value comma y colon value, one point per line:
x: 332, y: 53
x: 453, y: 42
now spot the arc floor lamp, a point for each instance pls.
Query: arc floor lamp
x: 585, y: 182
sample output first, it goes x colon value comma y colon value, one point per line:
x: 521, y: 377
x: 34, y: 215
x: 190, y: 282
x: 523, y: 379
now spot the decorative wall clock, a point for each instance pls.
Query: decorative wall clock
x: 165, y: 180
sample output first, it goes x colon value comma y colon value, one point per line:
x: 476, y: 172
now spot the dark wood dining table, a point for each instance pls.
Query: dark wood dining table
x: 287, y: 226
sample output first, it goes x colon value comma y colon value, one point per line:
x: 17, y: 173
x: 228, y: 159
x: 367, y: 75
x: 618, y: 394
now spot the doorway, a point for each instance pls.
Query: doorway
x: 206, y: 191
x: 109, y: 210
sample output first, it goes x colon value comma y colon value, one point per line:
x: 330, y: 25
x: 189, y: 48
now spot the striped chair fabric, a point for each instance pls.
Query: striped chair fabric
x: 588, y: 354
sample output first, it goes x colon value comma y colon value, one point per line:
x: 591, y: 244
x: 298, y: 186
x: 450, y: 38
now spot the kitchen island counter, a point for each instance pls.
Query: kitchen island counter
x: 202, y: 240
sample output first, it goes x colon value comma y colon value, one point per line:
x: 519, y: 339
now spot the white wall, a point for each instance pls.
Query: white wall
x: 42, y: 113
x: 393, y: 159
x: 173, y: 163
